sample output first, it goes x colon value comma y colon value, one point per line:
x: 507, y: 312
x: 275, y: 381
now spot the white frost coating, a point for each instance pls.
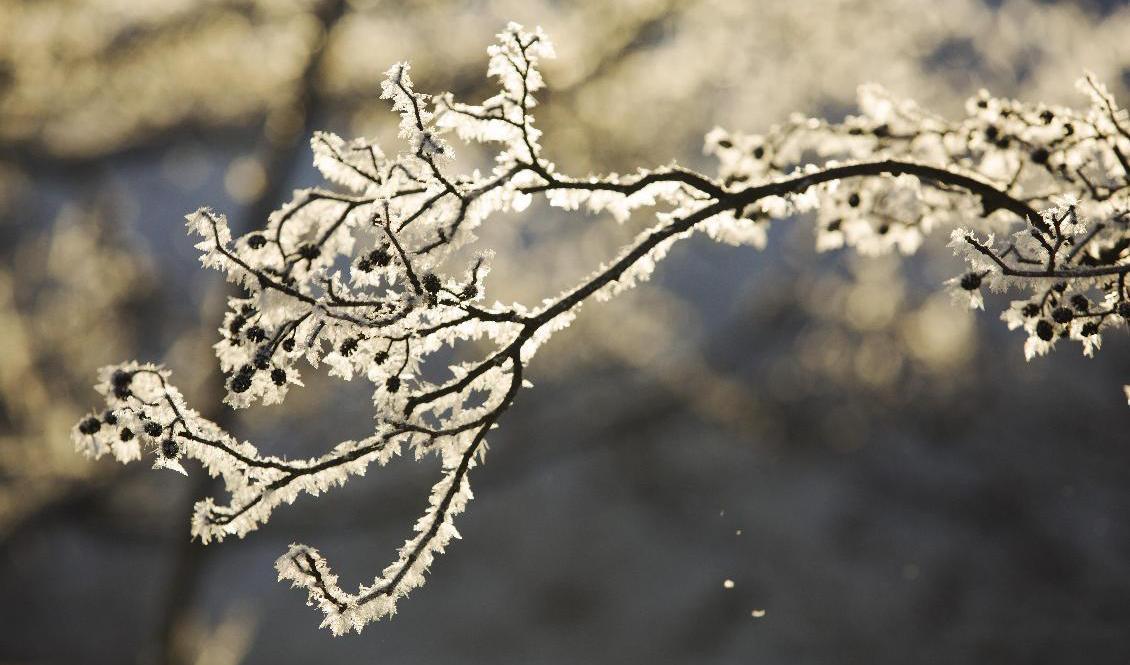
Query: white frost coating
x: 306, y: 568
x: 364, y: 283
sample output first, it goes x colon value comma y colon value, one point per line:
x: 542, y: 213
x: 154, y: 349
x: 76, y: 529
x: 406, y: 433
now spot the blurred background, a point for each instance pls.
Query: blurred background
x: 879, y: 472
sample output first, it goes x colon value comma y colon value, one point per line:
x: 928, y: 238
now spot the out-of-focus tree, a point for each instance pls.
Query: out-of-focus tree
x: 57, y: 318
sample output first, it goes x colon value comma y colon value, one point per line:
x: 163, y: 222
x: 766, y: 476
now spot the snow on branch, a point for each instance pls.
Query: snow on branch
x: 365, y: 280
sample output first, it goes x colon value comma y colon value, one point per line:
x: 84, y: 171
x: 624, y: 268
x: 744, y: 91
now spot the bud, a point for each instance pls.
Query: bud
x: 1044, y: 330
x: 121, y: 379
x: 241, y: 383
x: 380, y: 256
x: 263, y: 357
x: 90, y: 426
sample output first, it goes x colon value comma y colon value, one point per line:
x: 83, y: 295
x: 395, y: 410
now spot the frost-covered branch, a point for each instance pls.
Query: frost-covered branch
x: 374, y: 281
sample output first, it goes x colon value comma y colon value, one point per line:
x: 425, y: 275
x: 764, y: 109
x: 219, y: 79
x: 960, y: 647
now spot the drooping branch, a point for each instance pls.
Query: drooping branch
x: 882, y: 181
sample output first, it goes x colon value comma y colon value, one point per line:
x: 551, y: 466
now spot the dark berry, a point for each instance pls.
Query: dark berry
x: 309, y: 252
x: 122, y: 392
x: 365, y: 264
x: 256, y: 241
x: 470, y: 291
x: 380, y: 356
x: 169, y: 448
x: 725, y: 144
x: 982, y: 103
x: 126, y: 434
x: 1062, y: 315
x: 236, y: 324
x: 1080, y: 302
x: 1124, y: 309
x: 348, y: 347
x: 245, y: 370
x: 392, y: 384
x: 758, y: 152
x: 971, y: 281
x: 1040, y: 155
x: 256, y: 334
x: 151, y: 428
x: 881, y: 131
x: 121, y: 379
x: 883, y: 229
x: 992, y: 133
x: 263, y: 357
x: 380, y: 256
x: 288, y: 344
x: 1030, y: 310
x: 240, y: 383
x: 1060, y: 287
x: 1002, y: 142
x: 1044, y: 330
x: 431, y: 283
x: 853, y: 200
x: 1068, y: 129
x: 109, y: 418
x: 1047, y: 116
x: 90, y: 425
x: 278, y: 376
x: 1089, y: 328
